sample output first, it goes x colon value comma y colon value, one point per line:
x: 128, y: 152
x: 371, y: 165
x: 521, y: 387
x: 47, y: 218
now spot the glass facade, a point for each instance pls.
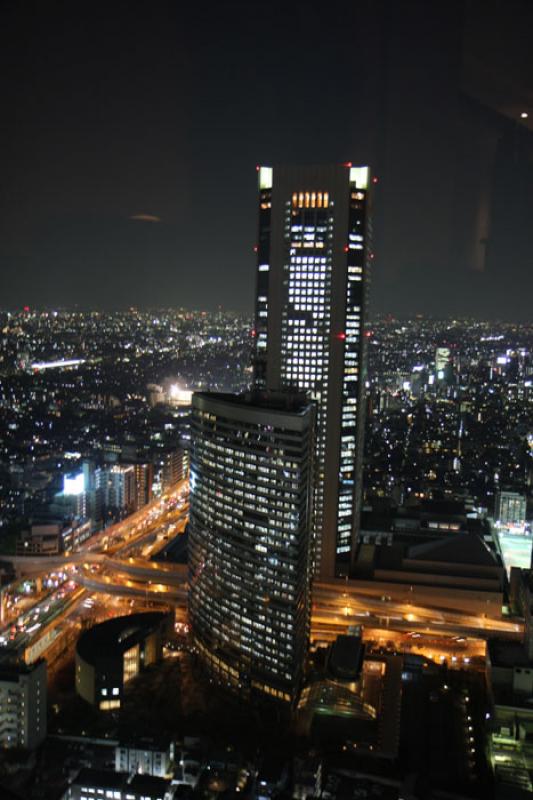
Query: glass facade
x: 250, y: 522
x: 313, y: 257
x: 306, y: 317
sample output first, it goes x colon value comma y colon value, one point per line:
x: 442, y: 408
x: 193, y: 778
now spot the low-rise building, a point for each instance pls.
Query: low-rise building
x: 97, y: 783
x: 145, y: 756
x: 112, y: 653
x: 459, y: 571
x: 40, y: 540
x: 510, y: 509
x: 359, y: 711
x: 510, y: 685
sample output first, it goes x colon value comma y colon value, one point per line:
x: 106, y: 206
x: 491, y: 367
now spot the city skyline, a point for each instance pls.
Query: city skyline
x: 282, y: 551
x: 87, y: 400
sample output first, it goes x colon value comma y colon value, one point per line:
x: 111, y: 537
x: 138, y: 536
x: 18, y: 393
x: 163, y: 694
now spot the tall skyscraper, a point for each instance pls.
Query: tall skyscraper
x: 313, y: 255
x: 249, y: 541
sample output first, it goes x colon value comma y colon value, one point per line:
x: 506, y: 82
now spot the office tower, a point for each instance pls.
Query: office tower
x: 313, y: 254
x: 174, y: 465
x: 443, y: 357
x: 249, y: 540
x: 74, y: 495
x: 122, y: 487
x: 144, y: 481
x: 23, y: 705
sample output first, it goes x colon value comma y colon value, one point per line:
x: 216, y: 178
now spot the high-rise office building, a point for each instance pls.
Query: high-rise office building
x: 313, y: 255
x: 122, y: 487
x: 117, y: 486
x: 249, y: 540
x: 173, y: 466
x: 144, y: 480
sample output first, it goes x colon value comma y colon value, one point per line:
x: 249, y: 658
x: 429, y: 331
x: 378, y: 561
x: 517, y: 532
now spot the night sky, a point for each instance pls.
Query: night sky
x: 130, y: 132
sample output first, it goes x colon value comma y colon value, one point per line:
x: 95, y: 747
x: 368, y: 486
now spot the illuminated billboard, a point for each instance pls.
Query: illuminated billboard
x: 73, y: 484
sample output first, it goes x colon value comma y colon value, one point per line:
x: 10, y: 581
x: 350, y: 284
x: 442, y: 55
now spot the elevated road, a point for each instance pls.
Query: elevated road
x: 110, y: 564
x: 34, y: 566
x: 103, y: 565
x: 338, y: 606
x: 157, y: 592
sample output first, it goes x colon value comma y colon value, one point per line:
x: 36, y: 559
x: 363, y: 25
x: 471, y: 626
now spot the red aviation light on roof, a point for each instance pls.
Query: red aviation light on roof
x: 347, y: 164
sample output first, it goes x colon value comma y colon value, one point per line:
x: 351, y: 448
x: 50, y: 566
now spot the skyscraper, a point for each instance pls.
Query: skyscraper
x: 249, y: 541
x: 313, y: 255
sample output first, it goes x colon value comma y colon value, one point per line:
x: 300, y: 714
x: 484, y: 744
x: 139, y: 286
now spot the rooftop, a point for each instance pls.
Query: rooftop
x: 100, y: 778
x: 117, y: 635
x: 346, y: 657
x: 109, y: 779
x: 504, y: 653
x: 269, y: 401
x: 461, y: 549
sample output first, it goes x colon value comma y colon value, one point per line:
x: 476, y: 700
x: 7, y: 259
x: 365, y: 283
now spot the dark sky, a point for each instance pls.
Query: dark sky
x: 119, y: 109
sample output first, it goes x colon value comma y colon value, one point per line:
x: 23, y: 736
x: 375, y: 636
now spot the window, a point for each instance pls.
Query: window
x: 109, y: 705
x: 131, y: 664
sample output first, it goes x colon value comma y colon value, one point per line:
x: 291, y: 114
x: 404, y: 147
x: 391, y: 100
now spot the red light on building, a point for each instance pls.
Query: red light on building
x: 257, y: 167
x: 341, y: 336
x: 26, y: 309
x: 375, y: 179
x: 253, y: 333
x: 347, y: 164
x: 368, y: 334
x: 371, y: 256
x: 345, y: 248
x: 255, y: 248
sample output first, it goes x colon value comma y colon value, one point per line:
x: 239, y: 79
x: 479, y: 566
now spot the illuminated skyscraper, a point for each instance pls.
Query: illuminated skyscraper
x: 249, y: 541
x: 313, y: 254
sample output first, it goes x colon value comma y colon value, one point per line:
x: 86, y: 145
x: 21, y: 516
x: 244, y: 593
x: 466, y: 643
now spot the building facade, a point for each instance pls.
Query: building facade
x: 91, y: 783
x: 145, y: 756
x: 173, y: 465
x: 313, y: 257
x: 510, y: 509
x: 249, y: 540
x: 23, y: 705
x: 144, y: 481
